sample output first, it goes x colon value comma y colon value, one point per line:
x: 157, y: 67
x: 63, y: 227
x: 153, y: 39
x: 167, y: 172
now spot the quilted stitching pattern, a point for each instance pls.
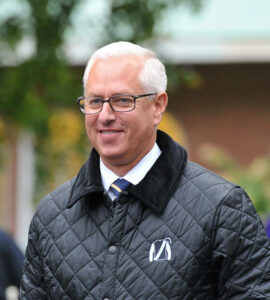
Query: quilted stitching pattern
x: 190, y: 221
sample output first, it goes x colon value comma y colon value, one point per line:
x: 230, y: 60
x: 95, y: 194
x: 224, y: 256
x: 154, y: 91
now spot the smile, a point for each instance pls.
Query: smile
x: 109, y: 131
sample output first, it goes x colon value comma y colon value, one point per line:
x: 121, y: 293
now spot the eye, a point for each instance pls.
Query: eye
x: 123, y: 101
x: 94, y: 102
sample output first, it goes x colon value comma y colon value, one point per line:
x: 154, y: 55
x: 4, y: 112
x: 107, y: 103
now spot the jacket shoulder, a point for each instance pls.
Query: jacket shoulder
x: 199, y: 180
x: 54, y: 203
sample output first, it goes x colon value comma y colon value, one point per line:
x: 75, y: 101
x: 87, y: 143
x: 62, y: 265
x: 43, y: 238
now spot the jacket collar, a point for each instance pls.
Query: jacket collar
x: 163, y: 177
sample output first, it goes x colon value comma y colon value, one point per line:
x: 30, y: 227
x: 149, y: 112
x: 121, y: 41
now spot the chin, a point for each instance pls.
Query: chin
x: 111, y: 156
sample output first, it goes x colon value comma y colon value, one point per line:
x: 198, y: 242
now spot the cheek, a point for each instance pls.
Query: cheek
x: 142, y: 128
x: 89, y: 125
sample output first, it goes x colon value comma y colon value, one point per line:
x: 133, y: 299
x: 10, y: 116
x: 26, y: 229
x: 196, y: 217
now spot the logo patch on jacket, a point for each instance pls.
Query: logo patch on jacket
x: 160, y: 250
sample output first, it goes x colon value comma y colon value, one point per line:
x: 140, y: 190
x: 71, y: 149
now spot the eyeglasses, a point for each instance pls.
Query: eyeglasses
x: 118, y: 103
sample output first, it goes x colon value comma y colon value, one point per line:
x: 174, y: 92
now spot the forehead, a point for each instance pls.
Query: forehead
x: 113, y: 74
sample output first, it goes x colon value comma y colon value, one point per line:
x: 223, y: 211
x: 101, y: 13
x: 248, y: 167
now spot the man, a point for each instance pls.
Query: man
x: 169, y: 230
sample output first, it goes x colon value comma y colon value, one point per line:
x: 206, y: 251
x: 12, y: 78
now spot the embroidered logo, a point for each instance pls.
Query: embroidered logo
x: 160, y: 250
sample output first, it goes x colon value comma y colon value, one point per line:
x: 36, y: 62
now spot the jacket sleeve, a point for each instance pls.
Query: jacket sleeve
x: 241, y: 250
x: 32, y: 283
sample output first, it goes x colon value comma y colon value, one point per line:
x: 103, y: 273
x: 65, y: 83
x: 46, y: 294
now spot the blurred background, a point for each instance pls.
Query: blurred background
x: 217, y: 54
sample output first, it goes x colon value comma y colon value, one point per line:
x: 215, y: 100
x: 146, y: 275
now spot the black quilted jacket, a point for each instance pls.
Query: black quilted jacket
x: 181, y: 233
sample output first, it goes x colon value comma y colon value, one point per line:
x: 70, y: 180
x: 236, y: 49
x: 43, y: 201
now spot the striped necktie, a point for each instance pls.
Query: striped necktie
x: 118, y: 186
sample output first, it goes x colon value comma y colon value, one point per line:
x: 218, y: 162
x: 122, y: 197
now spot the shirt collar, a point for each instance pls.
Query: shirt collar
x: 136, y: 174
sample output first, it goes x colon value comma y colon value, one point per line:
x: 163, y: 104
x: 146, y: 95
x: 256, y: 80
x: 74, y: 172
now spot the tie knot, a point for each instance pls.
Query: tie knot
x: 118, y: 186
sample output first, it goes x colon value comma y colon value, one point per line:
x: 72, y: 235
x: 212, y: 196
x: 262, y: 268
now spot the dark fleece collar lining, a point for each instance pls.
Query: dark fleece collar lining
x: 157, y: 187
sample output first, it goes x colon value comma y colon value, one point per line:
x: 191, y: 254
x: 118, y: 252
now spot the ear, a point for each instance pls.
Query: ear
x: 159, y: 107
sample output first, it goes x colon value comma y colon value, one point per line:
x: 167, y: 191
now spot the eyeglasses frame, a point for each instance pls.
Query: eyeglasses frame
x: 135, y: 97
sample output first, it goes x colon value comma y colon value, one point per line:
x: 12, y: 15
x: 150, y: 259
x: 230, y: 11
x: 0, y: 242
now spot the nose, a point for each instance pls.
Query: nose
x: 106, y: 114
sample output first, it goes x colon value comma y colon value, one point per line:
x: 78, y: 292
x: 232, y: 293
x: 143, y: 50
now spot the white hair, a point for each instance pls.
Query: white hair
x: 153, y: 76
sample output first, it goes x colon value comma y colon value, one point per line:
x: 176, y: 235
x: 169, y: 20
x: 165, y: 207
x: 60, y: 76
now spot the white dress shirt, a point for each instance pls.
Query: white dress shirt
x: 135, y: 175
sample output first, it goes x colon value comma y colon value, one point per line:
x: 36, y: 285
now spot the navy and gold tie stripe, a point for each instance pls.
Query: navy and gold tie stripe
x: 118, y: 186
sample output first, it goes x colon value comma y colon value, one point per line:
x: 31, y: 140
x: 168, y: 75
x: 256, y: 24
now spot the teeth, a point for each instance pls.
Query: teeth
x: 108, y: 131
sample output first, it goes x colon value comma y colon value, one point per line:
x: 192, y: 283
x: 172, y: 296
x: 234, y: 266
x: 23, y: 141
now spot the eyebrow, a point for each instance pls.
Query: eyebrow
x: 93, y: 95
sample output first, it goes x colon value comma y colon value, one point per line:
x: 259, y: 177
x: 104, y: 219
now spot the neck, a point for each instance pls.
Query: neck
x: 118, y: 169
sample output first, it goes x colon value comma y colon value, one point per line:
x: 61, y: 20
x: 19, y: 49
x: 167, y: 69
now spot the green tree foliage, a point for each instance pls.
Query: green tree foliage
x: 30, y: 90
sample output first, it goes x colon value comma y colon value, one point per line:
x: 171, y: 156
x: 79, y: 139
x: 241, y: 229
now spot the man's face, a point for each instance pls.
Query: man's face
x: 122, y: 139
